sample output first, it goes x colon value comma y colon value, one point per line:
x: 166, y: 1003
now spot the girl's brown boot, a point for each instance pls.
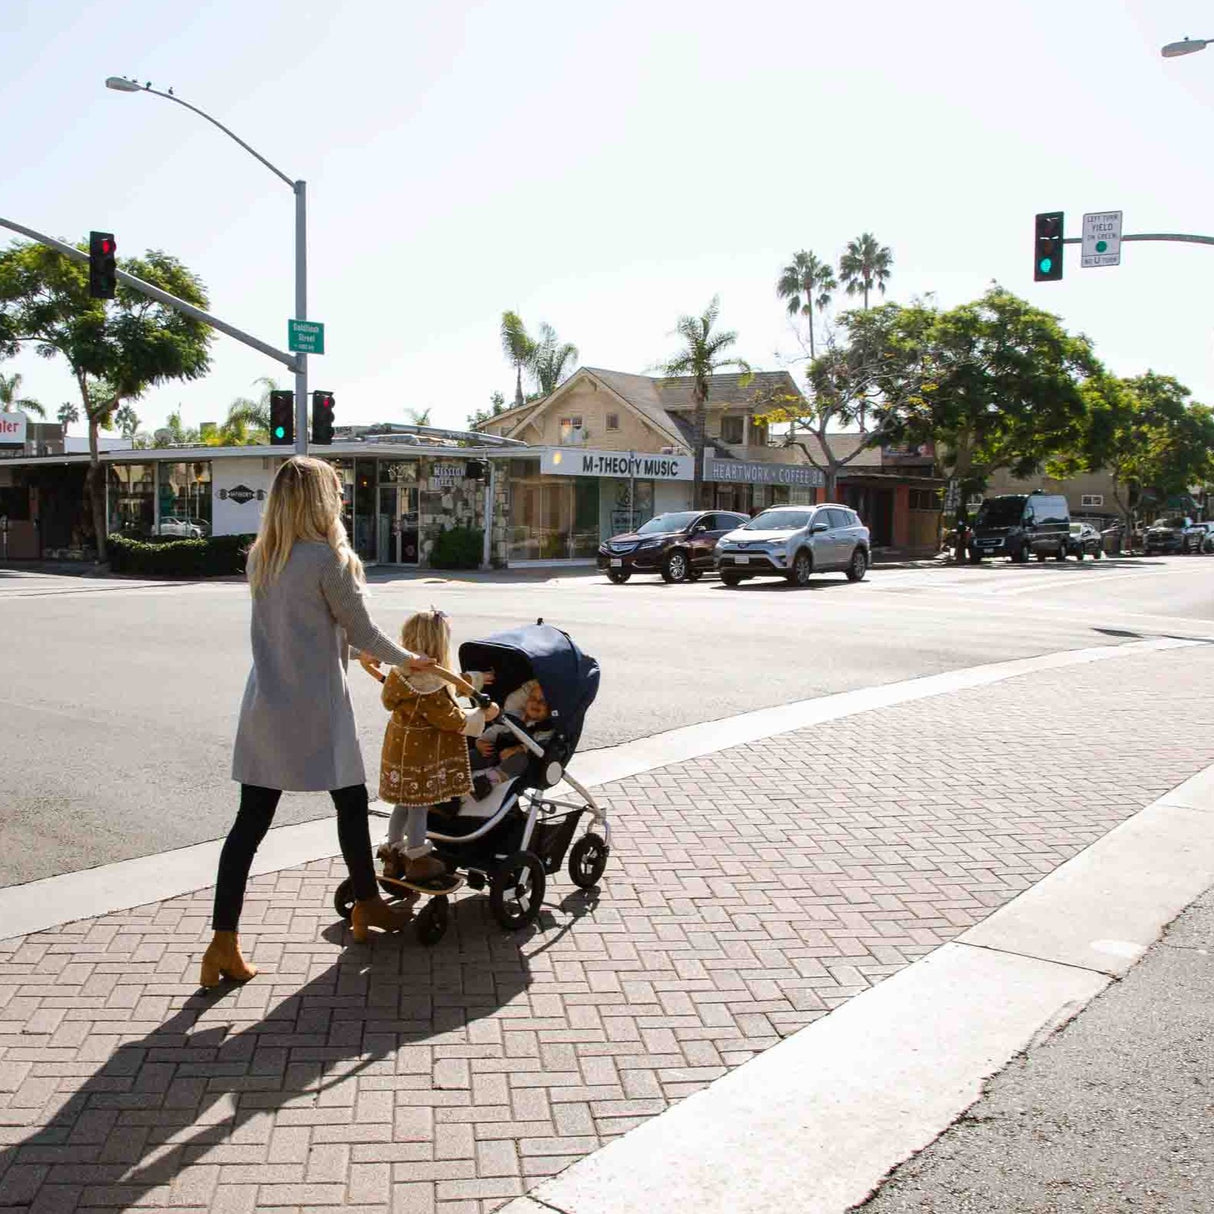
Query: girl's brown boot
x: 223, y: 960
x: 375, y: 912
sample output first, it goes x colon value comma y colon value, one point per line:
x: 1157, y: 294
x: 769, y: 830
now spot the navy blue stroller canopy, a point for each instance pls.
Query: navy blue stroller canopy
x: 569, y: 677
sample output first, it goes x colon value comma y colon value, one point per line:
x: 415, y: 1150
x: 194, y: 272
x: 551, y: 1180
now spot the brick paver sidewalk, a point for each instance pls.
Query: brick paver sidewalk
x: 748, y: 893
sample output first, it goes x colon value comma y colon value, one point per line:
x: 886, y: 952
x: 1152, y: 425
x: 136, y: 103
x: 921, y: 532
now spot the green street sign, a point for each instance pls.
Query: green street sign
x: 306, y: 336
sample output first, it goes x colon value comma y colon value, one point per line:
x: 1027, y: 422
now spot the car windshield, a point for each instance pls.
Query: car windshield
x: 1076, y: 528
x: 1000, y: 511
x: 778, y: 520
x: 667, y: 524
x: 1173, y: 523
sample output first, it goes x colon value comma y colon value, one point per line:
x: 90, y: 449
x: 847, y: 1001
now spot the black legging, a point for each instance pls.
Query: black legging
x: 256, y: 812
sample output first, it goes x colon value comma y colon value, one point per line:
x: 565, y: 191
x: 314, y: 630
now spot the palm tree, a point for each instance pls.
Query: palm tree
x: 519, y: 349
x: 418, y: 417
x: 807, y: 283
x: 700, y: 358
x: 128, y: 421
x: 552, y: 360
x: 10, y: 385
x: 67, y: 414
x: 865, y: 265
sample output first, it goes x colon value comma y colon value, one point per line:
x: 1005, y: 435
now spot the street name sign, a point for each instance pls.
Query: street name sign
x: 305, y: 336
x: 1101, y: 239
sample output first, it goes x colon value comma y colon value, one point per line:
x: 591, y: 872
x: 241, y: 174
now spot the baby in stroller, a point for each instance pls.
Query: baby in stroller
x: 497, y: 756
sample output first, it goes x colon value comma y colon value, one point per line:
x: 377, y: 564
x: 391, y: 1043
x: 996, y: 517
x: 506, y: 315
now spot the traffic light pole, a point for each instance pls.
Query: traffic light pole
x: 1184, y: 238
x: 145, y: 288
x: 301, y: 313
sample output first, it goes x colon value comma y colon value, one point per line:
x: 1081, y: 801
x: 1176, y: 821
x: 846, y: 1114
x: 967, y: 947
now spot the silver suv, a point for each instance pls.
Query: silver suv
x: 794, y: 542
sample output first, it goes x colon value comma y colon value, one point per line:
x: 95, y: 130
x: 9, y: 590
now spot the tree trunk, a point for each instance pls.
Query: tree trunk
x: 811, y: 333
x: 697, y: 476
x: 832, y: 482
x: 94, y: 486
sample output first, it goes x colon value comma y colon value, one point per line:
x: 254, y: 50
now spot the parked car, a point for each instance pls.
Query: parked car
x: 1206, y: 534
x: 678, y: 545
x: 181, y: 528
x: 794, y: 542
x: 1016, y: 525
x: 1173, y: 534
x: 1084, y: 540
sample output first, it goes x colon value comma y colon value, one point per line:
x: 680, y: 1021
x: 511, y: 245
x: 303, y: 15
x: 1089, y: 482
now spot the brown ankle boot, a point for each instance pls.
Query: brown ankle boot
x: 375, y: 912
x: 421, y: 869
x: 223, y: 960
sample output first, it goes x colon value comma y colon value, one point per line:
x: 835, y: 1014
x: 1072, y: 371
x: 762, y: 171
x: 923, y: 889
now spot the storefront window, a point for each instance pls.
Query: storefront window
x: 615, y: 516
x: 131, y: 506
x: 185, y: 499
x: 358, y: 513
x: 552, y: 518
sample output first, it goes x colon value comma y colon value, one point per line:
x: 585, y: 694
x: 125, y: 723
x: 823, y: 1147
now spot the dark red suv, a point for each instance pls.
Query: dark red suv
x: 679, y: 545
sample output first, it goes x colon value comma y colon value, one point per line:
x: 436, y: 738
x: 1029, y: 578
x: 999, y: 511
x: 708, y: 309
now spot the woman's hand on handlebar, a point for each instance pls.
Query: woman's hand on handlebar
x: 492, y: 712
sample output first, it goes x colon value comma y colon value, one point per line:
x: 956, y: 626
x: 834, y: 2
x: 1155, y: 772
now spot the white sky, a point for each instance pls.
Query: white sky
x: 607, y: 167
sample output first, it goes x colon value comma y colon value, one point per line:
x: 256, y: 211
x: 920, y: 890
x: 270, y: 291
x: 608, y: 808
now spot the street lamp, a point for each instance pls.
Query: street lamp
x: 1175, y: 49
x: 122, y: 85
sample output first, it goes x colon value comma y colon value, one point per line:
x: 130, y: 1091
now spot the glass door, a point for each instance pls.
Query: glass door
x: 397, y: 525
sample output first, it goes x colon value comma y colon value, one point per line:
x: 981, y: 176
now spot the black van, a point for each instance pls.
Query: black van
x: 1016, y: 524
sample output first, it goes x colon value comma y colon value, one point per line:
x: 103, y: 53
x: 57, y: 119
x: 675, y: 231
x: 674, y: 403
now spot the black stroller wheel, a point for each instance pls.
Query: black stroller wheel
x: 517, y: 891
x: 431, y: 922
x: 587, y: 860
x: 343, y: 899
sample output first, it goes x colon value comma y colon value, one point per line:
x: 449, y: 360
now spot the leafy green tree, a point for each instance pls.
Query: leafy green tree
x: 1148, y: 435
x: 10, y: 401
x: 115, y: 350
x: 702, y: 356
x: 552, y: 360
x: 477, y: 418
x: 127, y: 421
x: 995, y: 383
x: 807, y: 283
x: 68, y: 413
x: 418, y: 417
x: 864, y: 265
x: 519, y: 349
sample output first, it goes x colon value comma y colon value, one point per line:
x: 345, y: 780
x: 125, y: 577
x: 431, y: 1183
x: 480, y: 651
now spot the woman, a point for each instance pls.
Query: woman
x: 296, y: 730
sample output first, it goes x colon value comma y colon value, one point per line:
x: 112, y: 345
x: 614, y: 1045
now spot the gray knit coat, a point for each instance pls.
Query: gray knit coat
x: 296, y: 728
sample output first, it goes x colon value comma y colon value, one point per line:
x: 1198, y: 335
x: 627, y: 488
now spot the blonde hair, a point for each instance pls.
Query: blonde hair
x: 428, y: 633
x: 304, y: 504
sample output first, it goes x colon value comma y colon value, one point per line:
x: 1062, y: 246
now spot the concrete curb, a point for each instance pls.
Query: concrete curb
x: 815, y: 1123
x: 54, y: 901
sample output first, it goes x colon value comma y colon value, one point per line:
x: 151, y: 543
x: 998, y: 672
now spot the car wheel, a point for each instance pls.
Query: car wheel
x: 732, y: 580
x: 1060, y: 555
x: 858, y: 566
x: 676, y: 566
x: 1040, y: 556
x: 694, y: 575
x: 1099, y: 554
x: 619, y: 576
x: 1079, y: 555
x: 802, y: 567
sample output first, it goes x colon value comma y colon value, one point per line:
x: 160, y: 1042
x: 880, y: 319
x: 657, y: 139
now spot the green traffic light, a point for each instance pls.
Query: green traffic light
x: 1046, y: 265
x: 280, y: 431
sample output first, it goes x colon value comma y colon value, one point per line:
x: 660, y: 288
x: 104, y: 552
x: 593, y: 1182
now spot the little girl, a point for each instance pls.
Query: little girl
x: 425, y: 753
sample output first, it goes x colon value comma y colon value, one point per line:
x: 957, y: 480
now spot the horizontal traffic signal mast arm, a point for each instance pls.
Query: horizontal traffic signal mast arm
x: 1179, y: 236
x: 146, y: 288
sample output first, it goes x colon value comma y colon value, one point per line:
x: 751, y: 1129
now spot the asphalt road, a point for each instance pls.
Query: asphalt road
x: 1112, y: 1113
x: 119, y: 698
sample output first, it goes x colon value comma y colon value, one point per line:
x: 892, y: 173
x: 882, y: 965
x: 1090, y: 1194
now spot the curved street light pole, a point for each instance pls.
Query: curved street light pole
x: 121, y: 85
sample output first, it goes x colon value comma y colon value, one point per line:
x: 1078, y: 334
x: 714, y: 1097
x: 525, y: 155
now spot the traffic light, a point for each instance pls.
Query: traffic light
x: 282, y: 417
x: 1047, y: 249
x: 103, y: 274
x: 322, y: 417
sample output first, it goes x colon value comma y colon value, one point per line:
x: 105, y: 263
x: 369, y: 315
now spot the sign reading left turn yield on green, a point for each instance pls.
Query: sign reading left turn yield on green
x: 306, y: 336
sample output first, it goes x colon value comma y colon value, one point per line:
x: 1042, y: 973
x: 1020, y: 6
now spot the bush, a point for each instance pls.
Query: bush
x: 215, y: 557
x: 459, y: 548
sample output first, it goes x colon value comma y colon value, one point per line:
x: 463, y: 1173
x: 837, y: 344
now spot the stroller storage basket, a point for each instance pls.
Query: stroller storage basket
x: 552, y: 835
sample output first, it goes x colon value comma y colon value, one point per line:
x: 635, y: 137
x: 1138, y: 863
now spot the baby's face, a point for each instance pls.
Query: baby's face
x: 536, y: 708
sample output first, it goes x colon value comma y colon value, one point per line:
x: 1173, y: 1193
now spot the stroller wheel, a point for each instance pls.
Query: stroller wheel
x: 587, y: 860
x: 431, y: 922
x: 517, y: 890
x: 343, y: 899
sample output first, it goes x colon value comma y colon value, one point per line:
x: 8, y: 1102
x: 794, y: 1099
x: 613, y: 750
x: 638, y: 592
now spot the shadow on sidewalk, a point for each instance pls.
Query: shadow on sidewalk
x: 161, y: 1103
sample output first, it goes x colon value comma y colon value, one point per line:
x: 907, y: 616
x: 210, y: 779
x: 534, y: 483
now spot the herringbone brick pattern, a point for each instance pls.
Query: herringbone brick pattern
x: 748, y: 893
